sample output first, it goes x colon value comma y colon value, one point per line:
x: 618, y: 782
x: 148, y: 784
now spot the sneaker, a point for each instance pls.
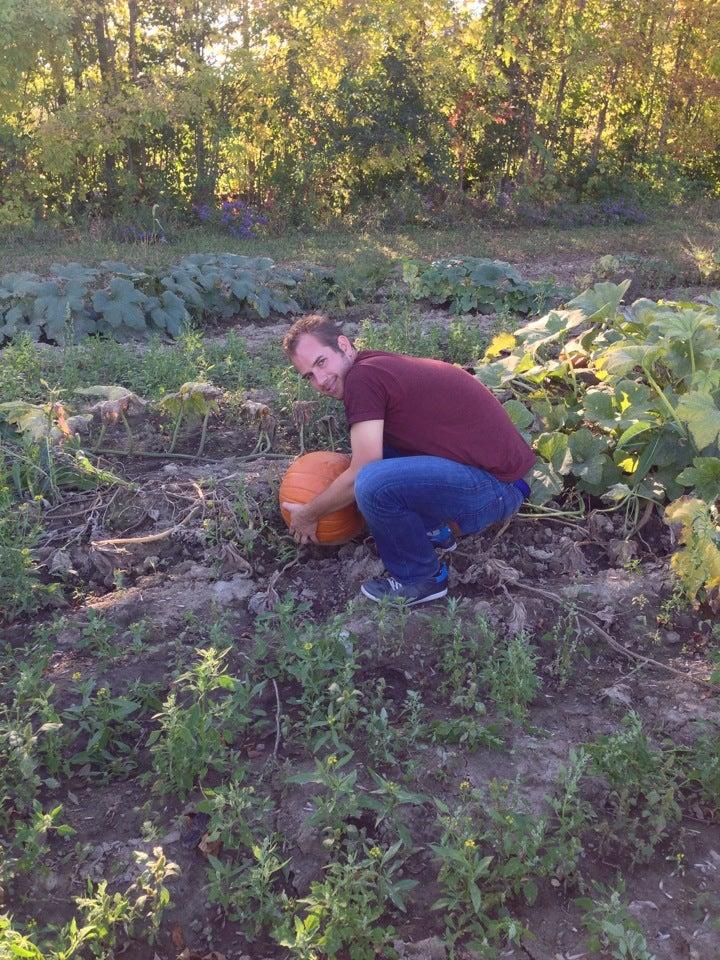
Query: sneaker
x: 443, y: 539
x: 431, y: 589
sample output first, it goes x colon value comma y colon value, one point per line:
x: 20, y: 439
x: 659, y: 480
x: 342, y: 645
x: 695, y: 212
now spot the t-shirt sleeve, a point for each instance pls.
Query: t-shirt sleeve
x: 366, y: 394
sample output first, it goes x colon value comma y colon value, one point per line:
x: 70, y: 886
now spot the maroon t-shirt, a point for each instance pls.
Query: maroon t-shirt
x: 433, y: 408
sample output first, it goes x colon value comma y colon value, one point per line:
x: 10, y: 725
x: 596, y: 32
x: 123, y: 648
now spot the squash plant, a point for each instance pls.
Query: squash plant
x: 125, y: 301
x: 625, y: 401
x: 474, y: 283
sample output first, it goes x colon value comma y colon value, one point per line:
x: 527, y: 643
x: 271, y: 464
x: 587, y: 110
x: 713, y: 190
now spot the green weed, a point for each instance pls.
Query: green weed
x: 493, y: 849
x: 468, y: 903
x: 703, y: 769
x: 384, y: 743
x: 198, y: 723
x: 96, y: 637
x: 611, y: 927
x: 20, y: 779
x: 565, y: 639
x: 468, y: 730
x: 21, y: 590
x: 399, y: 330
x: 109, y: 918
x: 642, y: 789
x: 511, y: 677
x: 573, y: 816
x: 319, y: 660
x: 463, y: 648
x: 237, y: 813
x: 339, y: 800
x: 246, y: 889
x: 15, y: 945
x: 344, y: 912
x: 109, y: 732
x: 28, y: 847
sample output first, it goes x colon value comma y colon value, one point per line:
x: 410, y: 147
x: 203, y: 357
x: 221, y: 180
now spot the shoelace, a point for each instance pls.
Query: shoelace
x: 395, y: 584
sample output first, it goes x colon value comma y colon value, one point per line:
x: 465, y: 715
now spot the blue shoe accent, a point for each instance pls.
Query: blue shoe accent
x: 443, y: 539
x: 433, y: 588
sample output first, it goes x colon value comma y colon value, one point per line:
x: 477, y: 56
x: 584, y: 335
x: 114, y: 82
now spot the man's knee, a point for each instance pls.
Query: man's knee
x: 367, y: 483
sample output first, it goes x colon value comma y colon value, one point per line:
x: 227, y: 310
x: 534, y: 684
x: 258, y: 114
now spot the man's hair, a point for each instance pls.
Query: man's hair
x: 319, y: 325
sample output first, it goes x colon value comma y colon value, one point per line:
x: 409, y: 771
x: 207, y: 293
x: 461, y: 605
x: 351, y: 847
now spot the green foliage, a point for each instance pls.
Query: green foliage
x: 511, y: 676
x: 107, y: 919
x: 339, y: 800
x: 107, y: 731
x: 28, y: 847
x: 246, y: 888
x: 319, y: 659
x: 345, y: 911
x: 611, y: 927
x: 697, y: 562
x: 19, y: 775
x: 400, y: 330
x: 472, y: 283
x: 21, y: 590
x: 198, y: 723
x: 642, y: 784
x: 14, y: 945
x: 572, y: 816
x: 703, y: 769
x: 623, y: 401
x: 237, y: 813
x: 489, y: 854
x: 120, y: 301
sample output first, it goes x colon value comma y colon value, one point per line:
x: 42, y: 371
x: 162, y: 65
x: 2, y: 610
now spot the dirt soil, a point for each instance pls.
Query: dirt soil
x: 173, y: 574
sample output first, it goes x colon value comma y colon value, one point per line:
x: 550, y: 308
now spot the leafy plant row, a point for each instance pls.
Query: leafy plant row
x: 625, y: 402
x: 123, y: 301
x: 490, y: 849
x: 476, y: 283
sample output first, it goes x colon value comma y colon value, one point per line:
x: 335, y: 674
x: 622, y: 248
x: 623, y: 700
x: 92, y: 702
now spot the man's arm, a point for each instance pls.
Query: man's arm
x: 366, y: 441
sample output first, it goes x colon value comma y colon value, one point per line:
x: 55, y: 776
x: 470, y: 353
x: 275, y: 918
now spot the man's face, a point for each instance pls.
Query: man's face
x: 323, y: 367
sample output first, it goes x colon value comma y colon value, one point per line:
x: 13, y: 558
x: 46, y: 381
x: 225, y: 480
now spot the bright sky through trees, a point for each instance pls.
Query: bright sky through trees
x: 320, y: 106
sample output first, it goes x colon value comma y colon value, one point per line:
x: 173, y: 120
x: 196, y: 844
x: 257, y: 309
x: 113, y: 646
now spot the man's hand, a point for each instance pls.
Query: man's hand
x: 303, y: 527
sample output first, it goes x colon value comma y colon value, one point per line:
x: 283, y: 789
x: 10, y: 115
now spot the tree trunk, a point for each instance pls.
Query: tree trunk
x: 107, y: 75
x: 602, y: 121
x: 132, y: 40
x: 672, y: 97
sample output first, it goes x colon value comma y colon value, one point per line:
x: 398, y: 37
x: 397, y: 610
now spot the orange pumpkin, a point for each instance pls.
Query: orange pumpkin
x: 308, y: 476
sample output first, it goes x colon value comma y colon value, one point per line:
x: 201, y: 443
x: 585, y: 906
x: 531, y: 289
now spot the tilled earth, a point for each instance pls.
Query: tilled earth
x: 171, y: 552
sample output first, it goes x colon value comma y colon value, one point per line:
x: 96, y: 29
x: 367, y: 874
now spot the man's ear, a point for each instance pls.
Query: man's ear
x: 344, y: 344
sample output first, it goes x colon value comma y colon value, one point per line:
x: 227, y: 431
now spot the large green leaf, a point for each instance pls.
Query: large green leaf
x: 168, y: 312
x: 59, y: 303
x: 608, y: 475
x: 121, y: 304
x: 702, y: 416
x: 704, y: 476
x: 553, y: 447
x: 600, y: 408
x: 34, y: 420
x: 76, y: 272
x: 504, y: 370
x: 519, y: 414
x: 549, y: 328
x: 682, y: 325
x: 183, y: 285
x: 588, y: 454
x: 600, y: 302
x: 634, y: 401
x: 622, y: 357
x: 546, y: 483
x: 553, y: 416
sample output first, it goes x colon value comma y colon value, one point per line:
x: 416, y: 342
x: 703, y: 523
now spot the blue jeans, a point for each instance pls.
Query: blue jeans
x: 403, y: 497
